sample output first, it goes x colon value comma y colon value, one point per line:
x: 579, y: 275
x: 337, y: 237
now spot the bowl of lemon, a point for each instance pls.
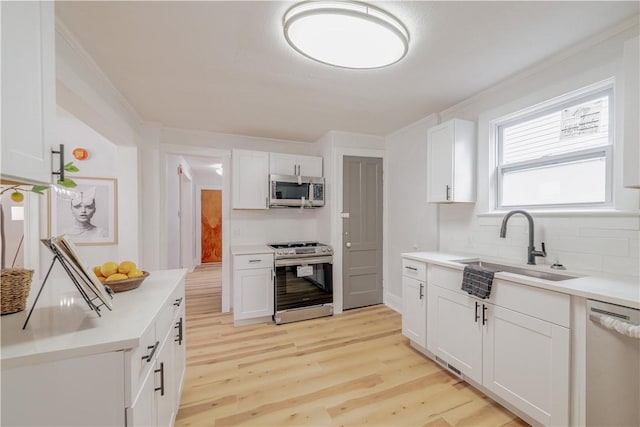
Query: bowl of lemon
x: 120, y: 277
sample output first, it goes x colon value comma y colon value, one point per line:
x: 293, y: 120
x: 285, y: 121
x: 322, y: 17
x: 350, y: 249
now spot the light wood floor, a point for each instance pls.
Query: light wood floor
x: 347, y: 370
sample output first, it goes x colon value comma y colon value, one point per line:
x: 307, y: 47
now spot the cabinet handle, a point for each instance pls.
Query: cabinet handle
x: 266, y: 202
x: 178, y: 302
x: 60, y: 171
x: 477, y: 315
x: 161, y: 370
x: 448, y: 192
x: 484, y: 312
x: 411, y: 268
x: 421, y: 293
x: 179, y: 328
x: 153, y: 349
x: 255, y: 260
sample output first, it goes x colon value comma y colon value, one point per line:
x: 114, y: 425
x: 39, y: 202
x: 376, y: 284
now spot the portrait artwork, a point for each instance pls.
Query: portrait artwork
x: 86, y: 214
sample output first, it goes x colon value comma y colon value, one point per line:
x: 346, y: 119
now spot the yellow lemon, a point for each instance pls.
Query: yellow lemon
x: 126, y: 266
x: 17, y: 196
x: 135, y: 273
x: 102, y: 279
x: 116, y: 276
x: 97, y: 271
x: 108, y: 268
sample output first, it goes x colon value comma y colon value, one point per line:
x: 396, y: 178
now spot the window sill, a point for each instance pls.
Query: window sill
x: 560, y: 213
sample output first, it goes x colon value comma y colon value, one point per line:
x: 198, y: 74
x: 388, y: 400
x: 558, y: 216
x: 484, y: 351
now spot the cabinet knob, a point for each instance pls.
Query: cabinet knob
x: 348, y: 244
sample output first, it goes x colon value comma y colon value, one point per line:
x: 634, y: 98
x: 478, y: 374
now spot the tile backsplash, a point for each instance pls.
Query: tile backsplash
x: 597, y: 244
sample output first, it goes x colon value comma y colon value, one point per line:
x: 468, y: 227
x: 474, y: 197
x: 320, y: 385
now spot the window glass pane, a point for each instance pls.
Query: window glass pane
x: 579, y: 127
x: 581, y: 181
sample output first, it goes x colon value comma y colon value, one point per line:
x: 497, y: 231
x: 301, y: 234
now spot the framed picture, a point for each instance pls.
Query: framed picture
x: 86, y: 214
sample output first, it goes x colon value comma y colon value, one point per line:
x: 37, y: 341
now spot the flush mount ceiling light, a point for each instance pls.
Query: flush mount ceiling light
x: 345, y: 34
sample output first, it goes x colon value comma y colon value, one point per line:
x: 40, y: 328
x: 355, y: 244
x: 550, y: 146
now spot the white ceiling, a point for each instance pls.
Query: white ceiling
x: 224, y: 66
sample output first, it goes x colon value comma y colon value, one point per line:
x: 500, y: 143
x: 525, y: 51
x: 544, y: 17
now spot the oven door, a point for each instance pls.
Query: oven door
x: 303, y: 282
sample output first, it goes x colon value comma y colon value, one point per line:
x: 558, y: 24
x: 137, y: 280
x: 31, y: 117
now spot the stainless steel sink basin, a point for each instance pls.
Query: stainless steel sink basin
x: 518, y: 270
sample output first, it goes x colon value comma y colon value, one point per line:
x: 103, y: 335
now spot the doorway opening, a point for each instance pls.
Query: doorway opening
x: 196, y: 224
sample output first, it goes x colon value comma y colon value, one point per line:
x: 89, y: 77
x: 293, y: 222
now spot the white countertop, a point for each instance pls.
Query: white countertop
x: 619, y: 290
x: 63, y: 326
x: 251, y: 249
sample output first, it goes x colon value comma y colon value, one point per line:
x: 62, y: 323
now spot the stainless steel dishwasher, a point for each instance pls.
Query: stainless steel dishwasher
x: 612, y: 365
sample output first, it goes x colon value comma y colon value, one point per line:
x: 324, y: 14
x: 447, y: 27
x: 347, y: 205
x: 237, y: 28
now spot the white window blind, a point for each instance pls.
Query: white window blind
x: 559, y: 155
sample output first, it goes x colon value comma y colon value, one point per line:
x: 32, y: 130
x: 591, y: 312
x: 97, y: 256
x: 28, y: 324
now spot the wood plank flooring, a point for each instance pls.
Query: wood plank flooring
x: 353, y: 369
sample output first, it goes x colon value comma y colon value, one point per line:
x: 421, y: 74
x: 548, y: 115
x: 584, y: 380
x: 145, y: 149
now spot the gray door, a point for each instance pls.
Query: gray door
x: 362, y: 232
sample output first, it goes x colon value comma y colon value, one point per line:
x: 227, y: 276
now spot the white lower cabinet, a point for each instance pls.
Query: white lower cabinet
x: 155, y: 405
x: 158, y: 399
x: 143, y: 411
x: 179, y: 350
x: 414, y: 301
x: 515, y: 345
x: 253, y: 287
x: 526, y: 362
x: 121, y: 386
x: 455, y: 331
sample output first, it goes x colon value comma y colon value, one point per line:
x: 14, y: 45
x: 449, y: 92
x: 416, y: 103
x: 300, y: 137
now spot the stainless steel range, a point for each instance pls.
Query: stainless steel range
x: 304, y: 281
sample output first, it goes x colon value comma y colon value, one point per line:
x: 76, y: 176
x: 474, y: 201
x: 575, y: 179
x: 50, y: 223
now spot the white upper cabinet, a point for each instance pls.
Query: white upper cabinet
x: 28, y: 90
x: 249, y: 179
x: 451, y: 149
x: 293, y: 164
x: 631, y: 144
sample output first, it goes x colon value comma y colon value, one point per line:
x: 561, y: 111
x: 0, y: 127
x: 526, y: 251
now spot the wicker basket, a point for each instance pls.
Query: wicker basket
x: 15, y: 287
x: 127, y: 284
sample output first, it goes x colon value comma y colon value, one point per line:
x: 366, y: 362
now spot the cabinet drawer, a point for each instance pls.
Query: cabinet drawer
x: 246, y: 262
x: 447, y: 278
x: 553, y: 307
x: 414, y: 269
x: 142, y: 359
x: 164, y: 323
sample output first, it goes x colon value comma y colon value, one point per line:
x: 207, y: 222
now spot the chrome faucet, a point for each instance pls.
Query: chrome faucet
x: 532, y: 253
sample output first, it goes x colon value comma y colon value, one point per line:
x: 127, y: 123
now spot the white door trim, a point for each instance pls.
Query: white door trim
x: 336, y: 220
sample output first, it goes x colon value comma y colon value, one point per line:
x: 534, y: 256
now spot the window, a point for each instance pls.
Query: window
x: 558, y: 154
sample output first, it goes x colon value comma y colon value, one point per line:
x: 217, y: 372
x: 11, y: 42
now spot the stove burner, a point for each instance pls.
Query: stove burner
x: 295, y: 245
x: 301, y: 249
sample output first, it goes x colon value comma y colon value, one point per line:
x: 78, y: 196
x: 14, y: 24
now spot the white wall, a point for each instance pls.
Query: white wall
x: 105, y: 161
x: 412, y: 222
x: 593, y: 243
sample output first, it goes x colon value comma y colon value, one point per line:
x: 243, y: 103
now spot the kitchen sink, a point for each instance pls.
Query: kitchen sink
x: 554, y: 277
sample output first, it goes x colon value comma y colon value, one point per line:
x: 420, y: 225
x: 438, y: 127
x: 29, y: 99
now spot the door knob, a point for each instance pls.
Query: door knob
x: 348, y: 244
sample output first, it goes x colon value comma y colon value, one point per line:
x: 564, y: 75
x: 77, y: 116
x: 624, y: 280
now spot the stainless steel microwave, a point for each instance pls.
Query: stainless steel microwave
x: 296, y: 191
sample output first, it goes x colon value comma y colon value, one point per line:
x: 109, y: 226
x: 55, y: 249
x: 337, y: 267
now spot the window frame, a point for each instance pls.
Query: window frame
x: 586, y: 94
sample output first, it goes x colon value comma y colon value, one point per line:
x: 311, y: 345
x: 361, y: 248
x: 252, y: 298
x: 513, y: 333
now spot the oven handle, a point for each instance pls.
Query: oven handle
x: 303, y: 261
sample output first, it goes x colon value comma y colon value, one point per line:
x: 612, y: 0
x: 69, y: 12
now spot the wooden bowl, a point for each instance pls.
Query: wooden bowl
x: 126, y: 284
